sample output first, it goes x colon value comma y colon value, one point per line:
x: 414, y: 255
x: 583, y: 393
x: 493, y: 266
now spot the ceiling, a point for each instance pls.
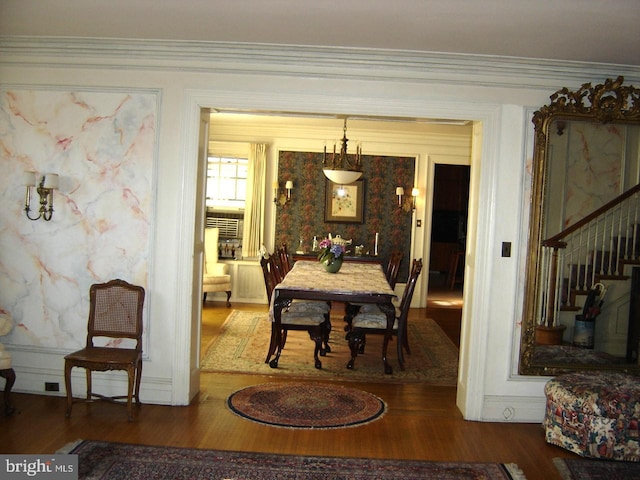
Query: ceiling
x: 599, y: 31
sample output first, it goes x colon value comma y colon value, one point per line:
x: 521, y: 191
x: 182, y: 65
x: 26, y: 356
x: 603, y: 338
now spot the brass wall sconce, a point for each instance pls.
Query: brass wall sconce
x: 45, y: 187
x: 282, y: 197
x: 406, y: 204
x: 400, y: 194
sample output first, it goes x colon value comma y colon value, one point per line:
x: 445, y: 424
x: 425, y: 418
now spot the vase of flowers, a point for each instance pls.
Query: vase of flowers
x: 331, y: 255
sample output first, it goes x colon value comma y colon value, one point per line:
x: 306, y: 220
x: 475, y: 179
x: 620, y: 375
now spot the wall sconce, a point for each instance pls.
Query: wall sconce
x: 406, y: 204
x: 48, y: 183
x: 400, y: 194
x: 283, y: 197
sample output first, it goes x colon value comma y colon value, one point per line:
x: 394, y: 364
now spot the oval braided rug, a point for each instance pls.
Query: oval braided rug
x: 306, y: 405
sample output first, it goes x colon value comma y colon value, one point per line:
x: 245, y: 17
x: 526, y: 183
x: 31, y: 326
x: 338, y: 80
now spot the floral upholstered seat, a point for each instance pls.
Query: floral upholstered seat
x: 594, y: 414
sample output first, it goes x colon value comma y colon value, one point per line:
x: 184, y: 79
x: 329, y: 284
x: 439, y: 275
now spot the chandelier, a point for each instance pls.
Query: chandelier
x: 343, y: 169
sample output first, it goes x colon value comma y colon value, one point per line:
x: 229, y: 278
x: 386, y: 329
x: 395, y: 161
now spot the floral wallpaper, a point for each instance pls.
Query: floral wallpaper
x: 304, y: 216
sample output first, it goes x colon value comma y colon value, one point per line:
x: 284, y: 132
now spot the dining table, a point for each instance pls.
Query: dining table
x: 353, y: 283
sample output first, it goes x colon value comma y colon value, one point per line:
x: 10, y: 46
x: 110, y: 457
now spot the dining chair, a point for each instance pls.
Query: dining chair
x: 372, y: 320
x: 283, y: 260
x: 393, y: 267
x: 309, y: 315
x: 391, y: 273
x: 115, y: 321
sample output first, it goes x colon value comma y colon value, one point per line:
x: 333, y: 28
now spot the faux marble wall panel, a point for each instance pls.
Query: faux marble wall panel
x: 595, y: 168
x: 102, y: 146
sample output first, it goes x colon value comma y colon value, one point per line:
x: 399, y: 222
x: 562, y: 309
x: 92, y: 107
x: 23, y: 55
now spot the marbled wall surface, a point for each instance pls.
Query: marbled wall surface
x: 595, y: 168
x: 102, y: 146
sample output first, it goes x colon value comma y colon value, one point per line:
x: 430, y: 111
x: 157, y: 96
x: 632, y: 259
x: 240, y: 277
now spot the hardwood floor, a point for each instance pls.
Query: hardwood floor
x: 422, y: 422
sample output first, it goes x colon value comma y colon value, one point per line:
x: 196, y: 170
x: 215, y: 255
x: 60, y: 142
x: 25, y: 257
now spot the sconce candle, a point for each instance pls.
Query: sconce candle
x: 414, y: 194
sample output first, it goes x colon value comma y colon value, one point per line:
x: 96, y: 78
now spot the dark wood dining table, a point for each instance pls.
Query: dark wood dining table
x: 354, y: 283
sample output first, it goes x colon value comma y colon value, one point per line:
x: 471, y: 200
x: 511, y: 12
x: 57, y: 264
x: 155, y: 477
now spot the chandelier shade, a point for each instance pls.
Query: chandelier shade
x: 342, y: 177
x: 343, y: 168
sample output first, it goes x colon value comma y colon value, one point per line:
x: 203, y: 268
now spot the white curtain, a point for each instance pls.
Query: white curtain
x: 254, y: 206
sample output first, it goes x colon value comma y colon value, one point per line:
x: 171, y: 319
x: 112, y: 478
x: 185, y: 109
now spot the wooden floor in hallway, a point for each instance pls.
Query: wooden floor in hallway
x: 422, y: 423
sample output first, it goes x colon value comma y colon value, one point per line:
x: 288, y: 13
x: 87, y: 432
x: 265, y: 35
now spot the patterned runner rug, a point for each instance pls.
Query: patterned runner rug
x: 592, y: 469
x: 243, y: 342
x: 306, y: 405
x: 116, y: 461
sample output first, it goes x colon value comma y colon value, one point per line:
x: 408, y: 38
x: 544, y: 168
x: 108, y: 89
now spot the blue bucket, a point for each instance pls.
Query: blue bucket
x: 583, y: 332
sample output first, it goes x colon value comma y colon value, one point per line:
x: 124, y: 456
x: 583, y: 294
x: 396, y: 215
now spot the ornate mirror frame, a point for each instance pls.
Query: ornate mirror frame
x: 609, y: 103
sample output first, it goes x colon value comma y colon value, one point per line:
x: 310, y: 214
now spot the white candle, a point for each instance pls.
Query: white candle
x: 375, y: 248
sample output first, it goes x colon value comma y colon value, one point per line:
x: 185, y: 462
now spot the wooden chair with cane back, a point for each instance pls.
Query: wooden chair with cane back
x: 115, y: 318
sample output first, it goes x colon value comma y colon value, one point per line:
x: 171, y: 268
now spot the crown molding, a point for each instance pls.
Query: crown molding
x: 305, y: 61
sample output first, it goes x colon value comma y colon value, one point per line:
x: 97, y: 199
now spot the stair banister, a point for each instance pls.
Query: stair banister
x: 558, y: 242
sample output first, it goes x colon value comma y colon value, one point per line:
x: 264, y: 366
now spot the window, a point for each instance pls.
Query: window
x: 226, y: 183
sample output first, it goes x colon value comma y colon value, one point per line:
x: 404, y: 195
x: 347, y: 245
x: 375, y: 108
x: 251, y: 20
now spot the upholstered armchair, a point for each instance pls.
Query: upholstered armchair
x: 216, y: 276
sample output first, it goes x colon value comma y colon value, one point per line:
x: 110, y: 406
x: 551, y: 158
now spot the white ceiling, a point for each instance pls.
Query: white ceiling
x: 600, y: 31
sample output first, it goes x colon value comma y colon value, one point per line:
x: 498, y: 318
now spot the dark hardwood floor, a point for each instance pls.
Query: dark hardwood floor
x: 422, y: 423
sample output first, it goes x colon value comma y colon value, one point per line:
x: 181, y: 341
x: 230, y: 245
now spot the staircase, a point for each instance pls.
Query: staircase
x: 597, y: 249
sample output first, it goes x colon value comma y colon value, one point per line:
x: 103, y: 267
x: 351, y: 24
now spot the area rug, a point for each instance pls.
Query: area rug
x: 306, y: 405
x: 116, y: 461
x: 241, y: 347
x: 590, y: 469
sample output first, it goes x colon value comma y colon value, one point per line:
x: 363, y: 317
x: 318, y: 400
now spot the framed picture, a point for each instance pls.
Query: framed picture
x: 344, y: 203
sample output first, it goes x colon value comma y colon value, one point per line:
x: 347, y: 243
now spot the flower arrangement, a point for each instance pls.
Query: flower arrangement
x: 330, y: 251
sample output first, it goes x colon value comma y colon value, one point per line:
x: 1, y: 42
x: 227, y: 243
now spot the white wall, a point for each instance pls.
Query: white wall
x: 499, y: 95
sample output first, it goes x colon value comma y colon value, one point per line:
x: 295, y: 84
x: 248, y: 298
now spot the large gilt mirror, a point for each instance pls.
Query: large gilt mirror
x: 582, y: 293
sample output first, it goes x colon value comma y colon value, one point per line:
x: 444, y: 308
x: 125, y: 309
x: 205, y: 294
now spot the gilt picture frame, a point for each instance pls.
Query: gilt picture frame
x: 346, y: 206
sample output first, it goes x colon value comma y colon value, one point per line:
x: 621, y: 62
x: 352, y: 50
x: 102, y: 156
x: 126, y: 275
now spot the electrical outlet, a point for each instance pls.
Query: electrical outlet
x: 506, y: 249
x: 51, y: 387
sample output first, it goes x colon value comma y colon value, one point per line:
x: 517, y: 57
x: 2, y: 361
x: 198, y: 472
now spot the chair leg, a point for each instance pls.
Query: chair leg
x: 67, y: 383
x: 350, y: 312
x: 138, y: 378
x: 228, y: 298
x: 356, y: 342
x: 131, y: 376
x: 405, y: 344
x: 317, y: 334
x: 89, y: 389
x: 326, y: 348
x: 272, y: 343
x: 282, y: 335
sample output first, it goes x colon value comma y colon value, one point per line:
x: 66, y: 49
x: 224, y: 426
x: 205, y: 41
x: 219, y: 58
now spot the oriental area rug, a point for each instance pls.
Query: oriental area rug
x: 116, y: 461
x: 306, y: 405
x: 241, y: 347
x: 575, y: 468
